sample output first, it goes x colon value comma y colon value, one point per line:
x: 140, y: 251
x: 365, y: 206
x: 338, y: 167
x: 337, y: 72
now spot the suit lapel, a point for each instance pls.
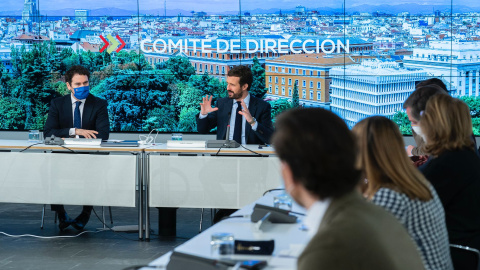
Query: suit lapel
x: 87, y: 112
x: 67, y: 108
x: 228, y: 108
x: 252, y: 108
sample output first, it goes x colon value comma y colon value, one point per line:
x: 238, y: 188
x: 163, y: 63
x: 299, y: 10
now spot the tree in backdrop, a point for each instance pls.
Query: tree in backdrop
x: 258, y: 88
x: 16, y: 60
x: 295, y: 96
x: 131, y: 95
x: 283, y: 104
x: 474, y: 105
x: 131, y: 58
x: 401, y: 119
x: 12, y: 112
x: 279, y: 106
x: 476, y: 126
x: 208, y: 85
x: 180, y: 67
x: 163, y: 119
x: 34, y: 89
x: 189, y: 99
x: 4, y: 80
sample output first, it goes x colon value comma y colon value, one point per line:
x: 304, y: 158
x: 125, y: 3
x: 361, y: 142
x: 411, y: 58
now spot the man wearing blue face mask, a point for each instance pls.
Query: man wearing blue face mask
x: 77, y: 115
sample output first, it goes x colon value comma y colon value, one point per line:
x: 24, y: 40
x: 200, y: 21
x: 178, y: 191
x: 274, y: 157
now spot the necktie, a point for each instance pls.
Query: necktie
x: 77, y: 118
x: 237, y: 132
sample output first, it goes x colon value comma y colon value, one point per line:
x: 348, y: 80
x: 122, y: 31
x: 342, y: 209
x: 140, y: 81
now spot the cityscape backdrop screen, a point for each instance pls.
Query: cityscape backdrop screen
x: 154, y: 60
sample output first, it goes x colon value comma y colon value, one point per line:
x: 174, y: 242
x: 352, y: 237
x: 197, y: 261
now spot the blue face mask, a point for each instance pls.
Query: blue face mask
x: 81, y: 92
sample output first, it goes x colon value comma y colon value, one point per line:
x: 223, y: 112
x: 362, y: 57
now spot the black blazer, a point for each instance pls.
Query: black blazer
x: 60, y: 118
x: 258, y: 108
x: 456, y: 177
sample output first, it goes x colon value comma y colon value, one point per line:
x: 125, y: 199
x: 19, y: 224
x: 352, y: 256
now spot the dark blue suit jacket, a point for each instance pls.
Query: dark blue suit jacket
x: 258, y: 108
x: 60, y: 117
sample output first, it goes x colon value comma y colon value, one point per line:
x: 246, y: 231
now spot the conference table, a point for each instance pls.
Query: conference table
x: 290, y: 239
x: 207, y: 178
x: 146, y: 176
x: 83, y: 175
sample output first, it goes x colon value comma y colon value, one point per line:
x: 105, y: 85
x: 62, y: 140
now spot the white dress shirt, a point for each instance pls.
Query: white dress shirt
x: 233, y: 117
x: 71, y: 132
x: 315, y: 215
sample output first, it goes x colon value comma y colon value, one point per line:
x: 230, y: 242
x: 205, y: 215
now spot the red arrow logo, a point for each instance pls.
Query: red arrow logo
x: 121, y: 46
x: 106, y: 44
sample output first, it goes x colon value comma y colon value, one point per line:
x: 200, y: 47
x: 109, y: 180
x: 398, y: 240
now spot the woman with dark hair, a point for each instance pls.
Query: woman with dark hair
x: 393, y: 183
x: 453, y: 167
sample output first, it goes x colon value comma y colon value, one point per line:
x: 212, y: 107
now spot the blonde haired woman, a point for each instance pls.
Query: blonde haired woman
x: 393, y: 183
x: 453, y: 167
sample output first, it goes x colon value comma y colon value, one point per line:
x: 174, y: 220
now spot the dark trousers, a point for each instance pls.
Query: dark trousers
x: 167, y: 221
x: 60, y: 209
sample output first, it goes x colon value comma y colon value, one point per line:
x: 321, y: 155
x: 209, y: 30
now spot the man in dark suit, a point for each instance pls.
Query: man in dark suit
x: 249, y: 117
x: 78, y: 114
x: 318, y: 164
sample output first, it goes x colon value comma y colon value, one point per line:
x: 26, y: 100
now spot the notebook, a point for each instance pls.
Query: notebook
x: 82, y: 141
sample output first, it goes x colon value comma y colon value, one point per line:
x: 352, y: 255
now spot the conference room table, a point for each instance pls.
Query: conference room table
x: 290, y: 239
x: 79, y: 175
x: 208, y: 178
x: 142, y: 177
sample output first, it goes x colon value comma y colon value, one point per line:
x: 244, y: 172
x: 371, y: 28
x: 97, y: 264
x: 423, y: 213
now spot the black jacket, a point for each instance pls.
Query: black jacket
x: 258, y: 108
x: 456, y: 177
x: 60, y: 117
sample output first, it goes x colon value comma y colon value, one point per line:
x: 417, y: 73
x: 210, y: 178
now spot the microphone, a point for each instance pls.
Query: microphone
x: 227, y: 143
x: 227, y: 136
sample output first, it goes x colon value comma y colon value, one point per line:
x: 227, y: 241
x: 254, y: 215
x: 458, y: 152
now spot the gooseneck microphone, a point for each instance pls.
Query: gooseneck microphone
x: 227, y: 143
x: 227, y: 136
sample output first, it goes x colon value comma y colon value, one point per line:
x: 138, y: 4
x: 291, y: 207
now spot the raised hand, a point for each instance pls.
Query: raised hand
x: 206, y: 105
x: 245, y: 112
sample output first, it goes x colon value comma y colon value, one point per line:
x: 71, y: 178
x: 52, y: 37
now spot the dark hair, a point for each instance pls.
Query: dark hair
x: 417, y: 101
x: 434, y: 81
x: 320, y: 150
x: 80, y: 70
x: 244, y: 73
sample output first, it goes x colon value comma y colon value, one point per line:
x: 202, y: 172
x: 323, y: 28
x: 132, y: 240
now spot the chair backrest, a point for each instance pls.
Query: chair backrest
x: 464, y: 257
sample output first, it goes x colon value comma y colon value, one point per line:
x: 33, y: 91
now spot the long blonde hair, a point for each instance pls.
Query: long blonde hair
x: 384, y: 161
x: 447, y: 125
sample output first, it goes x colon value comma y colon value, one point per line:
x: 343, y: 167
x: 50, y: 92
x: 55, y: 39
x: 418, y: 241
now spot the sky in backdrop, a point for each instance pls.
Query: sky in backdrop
x: 215, y: 5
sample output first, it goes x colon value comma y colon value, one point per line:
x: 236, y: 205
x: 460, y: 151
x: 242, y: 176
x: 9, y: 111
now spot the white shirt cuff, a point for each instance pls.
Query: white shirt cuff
x: 201, y: 116
x: 71, y: 132
x: 255, y: 126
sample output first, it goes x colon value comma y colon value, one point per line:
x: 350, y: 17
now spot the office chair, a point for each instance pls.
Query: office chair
x: 464, y: 257
x: 55, y: 219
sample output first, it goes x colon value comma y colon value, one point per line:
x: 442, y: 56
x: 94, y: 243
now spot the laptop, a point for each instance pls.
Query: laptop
x: 120, y: 143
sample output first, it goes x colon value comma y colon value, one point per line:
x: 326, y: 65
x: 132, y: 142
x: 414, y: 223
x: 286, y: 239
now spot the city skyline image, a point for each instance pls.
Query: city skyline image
x: 153, y: 66
x: 231, y: 7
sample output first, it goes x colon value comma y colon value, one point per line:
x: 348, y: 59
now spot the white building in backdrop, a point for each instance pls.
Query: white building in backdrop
x: 372, y: 88
x: 457, y: 62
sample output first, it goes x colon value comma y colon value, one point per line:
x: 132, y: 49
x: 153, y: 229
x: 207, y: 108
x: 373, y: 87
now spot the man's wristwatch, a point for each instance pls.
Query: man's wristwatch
x: 253, y: 121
